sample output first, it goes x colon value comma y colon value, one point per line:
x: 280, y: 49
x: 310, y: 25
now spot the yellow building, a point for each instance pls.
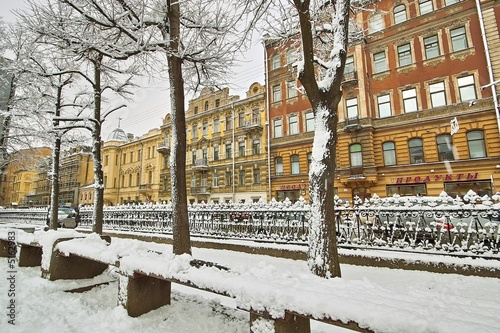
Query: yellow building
x: 18, y: 177
x: 131, y: 167
x: 226, y: 147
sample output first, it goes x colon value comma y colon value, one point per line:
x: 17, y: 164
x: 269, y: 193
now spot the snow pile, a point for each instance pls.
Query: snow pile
x: 263, y: 286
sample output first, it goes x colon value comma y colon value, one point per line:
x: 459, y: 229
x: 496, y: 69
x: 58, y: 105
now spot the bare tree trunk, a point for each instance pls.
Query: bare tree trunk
x: 323, y: 255
x: 181, y: 241
x: 98, y: 214
x: 56, y: 154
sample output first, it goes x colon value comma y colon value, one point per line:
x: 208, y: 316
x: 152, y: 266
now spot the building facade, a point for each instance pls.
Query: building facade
x: 131, y: 168
x: 226, y: 157
x: 413, y: 119
x: 18, y: 177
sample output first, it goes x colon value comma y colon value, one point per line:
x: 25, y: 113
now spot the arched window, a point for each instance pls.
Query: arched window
x: 356, y: 155
x: 291, y: 56
x: 445, y: 147
x: 475, y: 141
x: 376, y: 23
x: 399, y: 14
x: 275, y: 62
x: 294, y: 162
x: 416, y: 149
x: 389, y: 153
x: 150, y: 177
x: 278, y: 162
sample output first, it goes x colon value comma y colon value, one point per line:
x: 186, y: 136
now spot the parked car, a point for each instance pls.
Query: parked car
x: 67, y: 218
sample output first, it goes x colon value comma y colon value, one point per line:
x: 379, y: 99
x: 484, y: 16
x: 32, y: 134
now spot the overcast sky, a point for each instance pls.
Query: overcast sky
x: 151, y: 103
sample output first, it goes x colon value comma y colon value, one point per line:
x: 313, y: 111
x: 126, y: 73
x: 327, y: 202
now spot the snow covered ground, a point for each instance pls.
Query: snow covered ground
x: 436, y: 302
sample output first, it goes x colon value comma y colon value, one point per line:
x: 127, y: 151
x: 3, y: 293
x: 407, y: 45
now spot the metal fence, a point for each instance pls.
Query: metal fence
x: 436, y: 224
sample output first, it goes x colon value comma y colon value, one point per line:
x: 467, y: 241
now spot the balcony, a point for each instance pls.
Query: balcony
x: 200, y: 190
x: 352, y: 124
x: 252, y: 125
x: 356, y: 172
x: 200, y: 164
x: 163, y: 148
x: 145, y: 187
x: 350, y: 77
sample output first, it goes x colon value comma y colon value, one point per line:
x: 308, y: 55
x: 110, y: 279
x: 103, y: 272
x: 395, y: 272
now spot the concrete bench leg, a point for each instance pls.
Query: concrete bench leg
x: 72, y: 267
x: 289, y: 324
x: 140, y: 294
x: 30, y: 256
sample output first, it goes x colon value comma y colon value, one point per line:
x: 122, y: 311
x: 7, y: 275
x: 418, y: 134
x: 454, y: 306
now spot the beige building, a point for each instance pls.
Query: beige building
x: 226, y: 147
x: 131, y: 167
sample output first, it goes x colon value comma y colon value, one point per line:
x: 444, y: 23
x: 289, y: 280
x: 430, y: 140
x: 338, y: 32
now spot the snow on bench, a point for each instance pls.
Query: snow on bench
x: 35, y: 248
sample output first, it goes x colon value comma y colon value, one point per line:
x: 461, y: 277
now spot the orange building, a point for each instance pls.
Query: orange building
x: 414, y: 118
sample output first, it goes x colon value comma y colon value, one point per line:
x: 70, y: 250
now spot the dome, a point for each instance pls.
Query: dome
x: 118, y: 135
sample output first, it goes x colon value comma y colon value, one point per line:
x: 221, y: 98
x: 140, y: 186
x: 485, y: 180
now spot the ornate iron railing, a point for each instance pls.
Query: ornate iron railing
x: 441, y: 224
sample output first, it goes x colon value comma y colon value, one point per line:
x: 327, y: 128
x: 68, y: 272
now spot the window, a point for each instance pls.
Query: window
x: 195, y: 110
x: 256, y: 176
x: 410, y: 100
x: 384, y: 106
x: 106, y: 160
x: 437, y: 93
x: 216, y: 125
x: 466, y: 88
x: 355, y: 155
x: 229, y: 179
x: 294, y: 162
x: 216, y: 153
x: 229, y: 123
x: 241, y: 177
x: 445, y: 147
x: 241, y: 119
x: 404, y: 55
x: 416, y: 150
x: 138, y: 178
x: 205, y: 128
x: 309, y: 121
x: 309, y: 161
x: 291, y: 89
x: 404, y: 190
x: 217, y: 103
x: 130, y: 180
x: 194, y: 132
x: 241, y: 148
x: 376, y: 23
x: 379, y: 62
x: 193, y: 156
x: 425, y: 6
x: 150, y: 177
x: 475, y: 141
x: 276, y: 93
x: 431, y: 47
x: 278, y: 163
x: 216, y: 179
x: 352, y: 108
x: 229, y: 153
x: 278, y: 130
x: 206, y: 105
x: 458, y: 39
x: 399, y: 14
x: 389, y: 153
x: 349, y: 68
x: 293, y: 125
x: 256, y: 147
x: 291, y: 56
x: 451, y: 2
x: 481, y: 187
x: 275, y: 61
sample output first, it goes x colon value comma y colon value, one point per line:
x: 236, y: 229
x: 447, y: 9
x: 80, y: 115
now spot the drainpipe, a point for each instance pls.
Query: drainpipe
x: 266, y: 84
x: 488, y: 61
x: 233, y: 149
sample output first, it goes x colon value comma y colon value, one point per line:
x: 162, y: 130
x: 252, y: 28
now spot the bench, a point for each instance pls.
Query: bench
x: 30, y: 251
x: 146, y: 277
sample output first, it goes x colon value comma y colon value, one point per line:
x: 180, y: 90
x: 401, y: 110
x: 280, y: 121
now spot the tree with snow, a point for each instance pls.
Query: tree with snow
x: 320, y: 29
x: 199, y: 40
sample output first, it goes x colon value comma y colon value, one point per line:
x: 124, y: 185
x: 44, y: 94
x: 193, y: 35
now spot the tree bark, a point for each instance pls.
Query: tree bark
x: 56, y: 154
x: 181, y: 237
x: 322, y: 254
x: 98, y: 214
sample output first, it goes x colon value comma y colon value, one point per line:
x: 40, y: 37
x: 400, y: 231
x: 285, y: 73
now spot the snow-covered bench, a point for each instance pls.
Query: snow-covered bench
x: 146, y: 277
x: 13, y: 240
